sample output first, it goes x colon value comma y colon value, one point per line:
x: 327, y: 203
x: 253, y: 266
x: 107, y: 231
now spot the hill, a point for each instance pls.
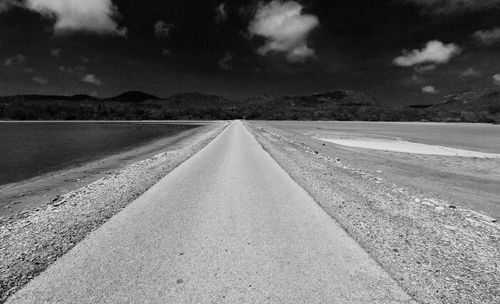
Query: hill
x: 132, y: 96
x: 481, y: 105
x: 335, y: 105
x: 473, y: 105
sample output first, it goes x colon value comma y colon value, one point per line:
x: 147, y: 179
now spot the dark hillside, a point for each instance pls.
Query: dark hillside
x: 469, y: 106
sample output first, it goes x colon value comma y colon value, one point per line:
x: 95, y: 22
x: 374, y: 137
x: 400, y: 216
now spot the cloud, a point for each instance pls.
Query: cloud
x: 429, y: 90
x: 162, y: 29
x: 425, y: 68
x: 413, y: 80
x: 224, y: 63
x: 95, y: 16
x: 285, y: 29
x: 471, y: 72
x: 7, y: 4
x: 40, y: 80
x: 488, y: 37
x: 18, y: 59
x: 446, y: 7
x: 166, y: 52
x: 434, y: 52
x: 220, y: 13
x: 496, y: 79
x: 78, y: 70
x: 92, y: 79
x: 56, y: 52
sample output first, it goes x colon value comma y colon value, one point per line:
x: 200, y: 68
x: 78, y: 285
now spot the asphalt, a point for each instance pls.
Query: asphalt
x: 227, y: 226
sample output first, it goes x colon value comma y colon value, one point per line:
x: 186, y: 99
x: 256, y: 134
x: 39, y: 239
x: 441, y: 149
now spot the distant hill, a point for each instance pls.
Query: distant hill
x: 470, y: 106
x: 197, y: 100
x: 133, y: 96
x: 335, y: 105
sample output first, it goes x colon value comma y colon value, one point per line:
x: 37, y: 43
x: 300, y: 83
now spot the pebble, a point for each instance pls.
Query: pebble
x: 426, y: 203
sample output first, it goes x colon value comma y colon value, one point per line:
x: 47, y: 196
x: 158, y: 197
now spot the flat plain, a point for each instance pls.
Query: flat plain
x: 474, y: 181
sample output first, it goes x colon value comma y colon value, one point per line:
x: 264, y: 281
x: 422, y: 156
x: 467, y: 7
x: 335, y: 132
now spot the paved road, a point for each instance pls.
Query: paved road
x: 227, y: 226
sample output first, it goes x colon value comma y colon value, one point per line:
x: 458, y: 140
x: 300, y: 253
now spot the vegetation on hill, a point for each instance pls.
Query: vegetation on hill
x: 470, y: 106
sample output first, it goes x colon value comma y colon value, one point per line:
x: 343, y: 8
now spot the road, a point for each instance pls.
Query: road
x: 227, y: 226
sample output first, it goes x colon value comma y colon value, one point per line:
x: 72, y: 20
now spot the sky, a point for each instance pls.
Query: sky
x: 399, y: 51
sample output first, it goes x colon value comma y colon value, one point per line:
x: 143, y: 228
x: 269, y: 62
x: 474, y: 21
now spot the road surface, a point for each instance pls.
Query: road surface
x: 227, y: 226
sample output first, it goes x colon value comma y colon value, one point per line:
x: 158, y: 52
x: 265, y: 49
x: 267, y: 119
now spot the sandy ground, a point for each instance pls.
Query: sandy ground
x: 471, y: 182
x: 406, y: 147
x: 438, y: 251
x: 44, y: 230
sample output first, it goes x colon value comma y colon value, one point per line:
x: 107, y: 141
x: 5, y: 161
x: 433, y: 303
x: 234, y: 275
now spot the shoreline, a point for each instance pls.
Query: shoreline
x: 402, y: 146
x: 438, y: 251
x: 28, y: 193
x: 33, y: 239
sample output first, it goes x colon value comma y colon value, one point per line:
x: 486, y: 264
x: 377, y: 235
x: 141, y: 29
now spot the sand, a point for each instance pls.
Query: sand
x: 438, y: 251
x: 407, y: 147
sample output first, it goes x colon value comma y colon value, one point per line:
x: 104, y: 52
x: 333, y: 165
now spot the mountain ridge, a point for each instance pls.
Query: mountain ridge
x: 479, y: 105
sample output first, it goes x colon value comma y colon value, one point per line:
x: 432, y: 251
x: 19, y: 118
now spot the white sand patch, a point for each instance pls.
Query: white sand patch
x: 407, y: 147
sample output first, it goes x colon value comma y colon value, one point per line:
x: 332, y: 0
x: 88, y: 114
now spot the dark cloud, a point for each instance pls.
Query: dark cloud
x: 225, y: 62
x: 18, y: 59
x: 56, y: 52
x: 40, y: 80
x: 488, y: 37
x: 471, y: 72
x: 455, y: 6
x: 162, y: 29
x: 220, y: 13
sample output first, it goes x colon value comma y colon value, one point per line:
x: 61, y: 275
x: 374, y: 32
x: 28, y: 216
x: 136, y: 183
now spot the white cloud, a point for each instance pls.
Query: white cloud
x: 92, y: 79
x: 96, y: 16
x: 434, y: 52
x: 429, y: 90
x: 471, y: 72
x: 455, y: 6
x: 488, y: 37
x: 425, y: 68
x: 285, y: 28
x: 162, y: 29
x: 225, y: 62
x: 220, y: 13
x: 18, y: 59
x: 40, y: 80
x: 56, y: 52
x: 496, y: 79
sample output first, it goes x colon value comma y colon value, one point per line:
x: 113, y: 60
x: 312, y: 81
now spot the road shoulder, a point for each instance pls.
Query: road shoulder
x: 437, y: 252
x: 34, y: 239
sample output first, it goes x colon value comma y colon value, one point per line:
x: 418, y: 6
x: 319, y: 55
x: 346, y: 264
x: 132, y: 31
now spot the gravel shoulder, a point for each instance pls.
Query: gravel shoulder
x: 34, y: 238
x: 437, y: 251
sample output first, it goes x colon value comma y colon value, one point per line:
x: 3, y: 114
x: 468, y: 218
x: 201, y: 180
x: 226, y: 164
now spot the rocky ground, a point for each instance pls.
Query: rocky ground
x: 33, y: 239
x: 437, y: 251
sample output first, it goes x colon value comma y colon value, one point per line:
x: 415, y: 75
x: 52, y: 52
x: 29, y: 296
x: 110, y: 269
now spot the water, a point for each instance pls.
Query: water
x: 29, y: 149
